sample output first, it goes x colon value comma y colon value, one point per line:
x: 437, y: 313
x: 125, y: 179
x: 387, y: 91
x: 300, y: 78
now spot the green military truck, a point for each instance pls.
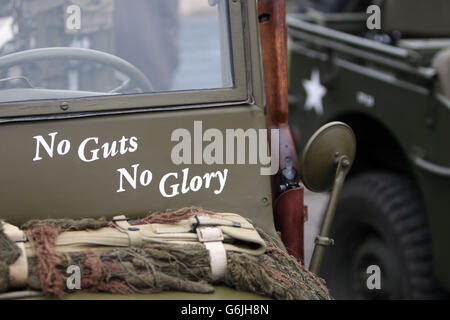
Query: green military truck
x: 392, y: 86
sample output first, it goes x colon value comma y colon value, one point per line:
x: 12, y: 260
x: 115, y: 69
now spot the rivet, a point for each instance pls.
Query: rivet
x: 64, y: 106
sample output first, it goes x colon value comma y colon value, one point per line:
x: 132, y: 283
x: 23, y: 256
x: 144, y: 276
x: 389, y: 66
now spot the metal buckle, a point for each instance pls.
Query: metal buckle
x: 205, y: 238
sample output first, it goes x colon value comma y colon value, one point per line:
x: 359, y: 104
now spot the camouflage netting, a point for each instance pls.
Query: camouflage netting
x: 9, y: 253
x: 155, y: 267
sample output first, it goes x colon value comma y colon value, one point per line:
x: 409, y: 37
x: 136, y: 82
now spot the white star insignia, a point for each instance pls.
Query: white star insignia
x: 315, y: 92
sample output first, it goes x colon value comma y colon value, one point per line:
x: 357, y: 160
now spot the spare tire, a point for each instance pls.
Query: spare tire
x: 380, y: 221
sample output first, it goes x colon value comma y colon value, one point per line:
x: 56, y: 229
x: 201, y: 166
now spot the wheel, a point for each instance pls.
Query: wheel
x: 380, y: 220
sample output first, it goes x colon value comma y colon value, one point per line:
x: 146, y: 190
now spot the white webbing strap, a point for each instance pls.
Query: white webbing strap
x: 212, y: 238
x: 133, y: 233
x: 18, y: 271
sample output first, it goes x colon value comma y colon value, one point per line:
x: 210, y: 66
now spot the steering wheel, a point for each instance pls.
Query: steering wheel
x: 136, y: 77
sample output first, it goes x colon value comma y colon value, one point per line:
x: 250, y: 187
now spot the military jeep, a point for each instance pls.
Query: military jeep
x: 392, y: 87
x: 113, y: 109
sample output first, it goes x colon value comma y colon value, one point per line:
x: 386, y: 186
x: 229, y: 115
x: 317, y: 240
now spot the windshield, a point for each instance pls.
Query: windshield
x: 55, y: 49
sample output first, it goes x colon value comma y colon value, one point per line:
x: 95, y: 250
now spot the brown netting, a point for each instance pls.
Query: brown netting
x: 95, y: 276
x: 68, y: 224
x: 44, y: 238
x: 164, y: 267
x: 275, y: 274
x: 174, y: 216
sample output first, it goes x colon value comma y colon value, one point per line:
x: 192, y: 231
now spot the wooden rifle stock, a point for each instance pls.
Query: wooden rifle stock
x: 288, y: 205
x: 272, y: 16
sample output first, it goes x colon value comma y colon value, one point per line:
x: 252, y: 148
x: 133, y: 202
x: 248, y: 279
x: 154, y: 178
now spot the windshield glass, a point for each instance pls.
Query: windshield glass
x: 57, y: 49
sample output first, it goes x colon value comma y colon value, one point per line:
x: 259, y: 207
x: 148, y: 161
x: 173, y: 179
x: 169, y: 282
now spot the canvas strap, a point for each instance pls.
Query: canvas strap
x: 213, y: 238
x: 18, y: 271
x: 133, y: 233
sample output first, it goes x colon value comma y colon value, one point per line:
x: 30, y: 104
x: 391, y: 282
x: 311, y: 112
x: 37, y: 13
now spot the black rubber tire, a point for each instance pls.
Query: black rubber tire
x: 380, y: 220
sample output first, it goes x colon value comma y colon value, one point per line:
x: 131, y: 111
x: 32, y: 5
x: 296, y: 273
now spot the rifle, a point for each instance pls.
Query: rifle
x: 289, y: 210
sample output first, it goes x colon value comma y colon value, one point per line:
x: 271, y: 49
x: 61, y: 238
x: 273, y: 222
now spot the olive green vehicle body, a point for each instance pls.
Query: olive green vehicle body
x: 404, y: 126
x: 64, y: 186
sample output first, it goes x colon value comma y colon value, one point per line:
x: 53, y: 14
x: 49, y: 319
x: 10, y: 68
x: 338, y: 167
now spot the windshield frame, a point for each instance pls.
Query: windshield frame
x: 160, y: 100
